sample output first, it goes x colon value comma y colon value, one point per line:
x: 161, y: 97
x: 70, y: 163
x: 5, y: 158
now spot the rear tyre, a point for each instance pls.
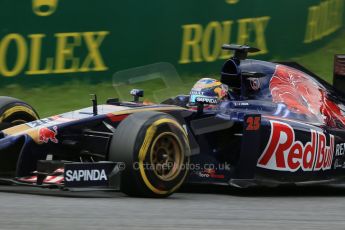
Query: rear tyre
x: 15, y: 112
x: 154, y: 148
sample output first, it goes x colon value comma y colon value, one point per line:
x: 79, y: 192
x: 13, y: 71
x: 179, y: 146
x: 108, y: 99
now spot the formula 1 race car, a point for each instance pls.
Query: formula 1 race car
x: 281, y: 125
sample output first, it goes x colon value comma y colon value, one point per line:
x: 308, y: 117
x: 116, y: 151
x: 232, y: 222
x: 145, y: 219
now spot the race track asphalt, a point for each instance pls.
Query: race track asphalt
x: 201, y: 208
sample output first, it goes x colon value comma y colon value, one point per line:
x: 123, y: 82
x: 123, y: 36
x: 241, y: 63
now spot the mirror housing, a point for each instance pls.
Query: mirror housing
x: 137, y: 93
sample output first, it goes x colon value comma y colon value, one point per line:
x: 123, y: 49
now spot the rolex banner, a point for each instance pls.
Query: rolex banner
x: 55, y: 40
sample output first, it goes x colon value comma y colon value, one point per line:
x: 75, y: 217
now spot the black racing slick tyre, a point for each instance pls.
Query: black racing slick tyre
x: 15, y: 112
x: 154, y: 149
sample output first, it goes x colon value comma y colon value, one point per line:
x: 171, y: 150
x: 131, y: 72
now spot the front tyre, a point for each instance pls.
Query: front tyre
x: 15, y: 112
x: 155, y: 150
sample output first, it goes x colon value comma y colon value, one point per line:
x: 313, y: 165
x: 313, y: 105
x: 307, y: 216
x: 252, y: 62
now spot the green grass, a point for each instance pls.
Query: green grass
x: 321, y: 61
x: 50, y: 100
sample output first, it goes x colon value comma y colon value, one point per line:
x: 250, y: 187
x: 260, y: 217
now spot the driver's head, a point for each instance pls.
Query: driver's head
x: 209, y: 91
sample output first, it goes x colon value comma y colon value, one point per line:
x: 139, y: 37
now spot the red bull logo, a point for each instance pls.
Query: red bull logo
x: 46, y: 134
x: 284, y: 153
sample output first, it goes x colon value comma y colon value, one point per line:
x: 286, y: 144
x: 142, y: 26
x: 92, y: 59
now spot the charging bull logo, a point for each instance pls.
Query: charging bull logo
x: 284, y: 153
x: 44, y: 7
x: 47, y: 134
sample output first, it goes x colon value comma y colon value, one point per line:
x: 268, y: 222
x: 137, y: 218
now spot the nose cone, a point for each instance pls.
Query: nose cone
x: 22, y: 130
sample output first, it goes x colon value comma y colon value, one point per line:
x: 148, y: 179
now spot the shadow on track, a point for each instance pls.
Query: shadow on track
x: 281, y: 191
x: 59, y: 193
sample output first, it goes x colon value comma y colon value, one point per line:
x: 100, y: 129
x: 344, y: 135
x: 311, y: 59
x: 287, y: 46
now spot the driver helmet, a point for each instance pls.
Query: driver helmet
x: 209, y: 91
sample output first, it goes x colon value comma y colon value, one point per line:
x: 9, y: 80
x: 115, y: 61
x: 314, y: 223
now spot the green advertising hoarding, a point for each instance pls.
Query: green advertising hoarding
x: 51, y: 41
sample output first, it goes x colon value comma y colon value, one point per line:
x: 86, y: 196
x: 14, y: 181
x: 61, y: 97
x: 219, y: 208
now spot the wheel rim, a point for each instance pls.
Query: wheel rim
x: 166, y: 156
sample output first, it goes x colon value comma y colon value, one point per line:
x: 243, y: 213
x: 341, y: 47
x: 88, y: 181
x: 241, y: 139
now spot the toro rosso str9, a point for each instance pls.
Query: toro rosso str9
x: 279, y: 125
